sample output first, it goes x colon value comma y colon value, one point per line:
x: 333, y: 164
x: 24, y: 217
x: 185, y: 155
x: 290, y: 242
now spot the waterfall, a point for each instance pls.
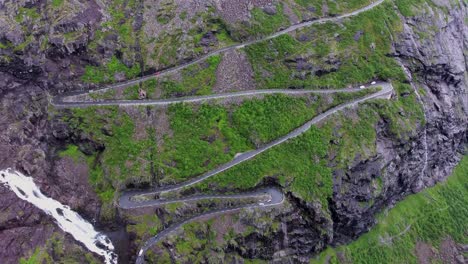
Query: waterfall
x: 68, y: 220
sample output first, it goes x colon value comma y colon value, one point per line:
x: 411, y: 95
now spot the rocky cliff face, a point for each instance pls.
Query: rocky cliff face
x: 432, y: 50
x: 431, y: 47
x: 35, y: 60
x: 436, y: 62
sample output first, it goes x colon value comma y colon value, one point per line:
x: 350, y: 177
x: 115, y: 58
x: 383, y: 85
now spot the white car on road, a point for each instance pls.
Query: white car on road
x: 362, y: 87
x: 373, y: 83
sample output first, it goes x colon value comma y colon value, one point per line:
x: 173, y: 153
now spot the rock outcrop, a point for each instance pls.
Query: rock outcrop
x: 436, y: 63
x: 431, y: 47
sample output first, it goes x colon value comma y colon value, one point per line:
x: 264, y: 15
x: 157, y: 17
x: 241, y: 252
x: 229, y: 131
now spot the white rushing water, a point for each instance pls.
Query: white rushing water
x: 68, y: 220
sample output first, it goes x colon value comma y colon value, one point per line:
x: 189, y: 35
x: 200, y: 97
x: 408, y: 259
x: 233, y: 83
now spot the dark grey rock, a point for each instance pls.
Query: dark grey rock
x: 270, y: 10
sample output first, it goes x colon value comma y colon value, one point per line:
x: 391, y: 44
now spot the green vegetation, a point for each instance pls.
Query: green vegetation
x: 104, y: 190
x: 194, y: 246
x: 407, y: 104
x: 427, y: 217
x: 165, y: 47
x: 183, y: 15
x: 339, y: 58
x: 4, y: 46
x: 44, y: 43
x: 149, y: 86
x: 212, y: 134
x: 120, y: 24
x: 407, y: 7
x: 144, y: 226
x: 109, y: 94
x: 262, y: 121
x: 22, y: 46
x: 261, y: 24
x: 56, y: 251
x: 206, y: 241
x: 181, y: 41
x: 301, y: 164
x: 73, y: 152
x: 106, y: 73
x: 197, y: 79
x: 27, y: 13
x: 25, y: 17
x: 334, y: 7
x: 57, y: 3
x: 210, y: 23
x: 124, y: 156
x: 166, y: 12
x: 39, y: 256
x: 200, y: 139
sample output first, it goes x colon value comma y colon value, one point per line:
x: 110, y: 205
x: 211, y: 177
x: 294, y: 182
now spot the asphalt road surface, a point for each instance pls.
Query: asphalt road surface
x: 59, y: 100
x: 275, y: 195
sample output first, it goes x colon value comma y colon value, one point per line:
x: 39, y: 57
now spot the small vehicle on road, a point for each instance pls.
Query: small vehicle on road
x: 261, y: 204
x: 362, y: 87
x: 373, y: 83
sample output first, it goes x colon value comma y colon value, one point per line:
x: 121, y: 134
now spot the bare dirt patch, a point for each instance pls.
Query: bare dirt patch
x: 448, y: 252
x: 424, y: 252
x: 293, y: 18
x: 234, y: 73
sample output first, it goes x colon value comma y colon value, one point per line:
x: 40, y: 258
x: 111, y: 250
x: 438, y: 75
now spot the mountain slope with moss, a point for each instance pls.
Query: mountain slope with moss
x: 339, y: 178
x: 429, y: 226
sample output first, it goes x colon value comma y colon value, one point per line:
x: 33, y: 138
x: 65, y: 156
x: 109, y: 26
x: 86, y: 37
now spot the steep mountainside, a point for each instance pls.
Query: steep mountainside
x: 336, y: 178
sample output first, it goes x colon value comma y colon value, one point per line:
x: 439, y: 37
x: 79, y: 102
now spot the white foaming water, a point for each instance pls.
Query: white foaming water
x: 68, y: 220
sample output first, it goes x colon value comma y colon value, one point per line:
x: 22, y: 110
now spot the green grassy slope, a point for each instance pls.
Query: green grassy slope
x: 429, y: 216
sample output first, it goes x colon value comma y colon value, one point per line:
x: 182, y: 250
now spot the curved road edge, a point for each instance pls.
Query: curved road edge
x: 59, y: 103
x: 276, y: 196
x: 386, y: 90
x: 232, y: 47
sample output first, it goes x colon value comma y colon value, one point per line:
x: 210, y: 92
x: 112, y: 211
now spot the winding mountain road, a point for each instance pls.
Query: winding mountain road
x: 275, y: 196
x: 192, y: 99
x: 59, y: 100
